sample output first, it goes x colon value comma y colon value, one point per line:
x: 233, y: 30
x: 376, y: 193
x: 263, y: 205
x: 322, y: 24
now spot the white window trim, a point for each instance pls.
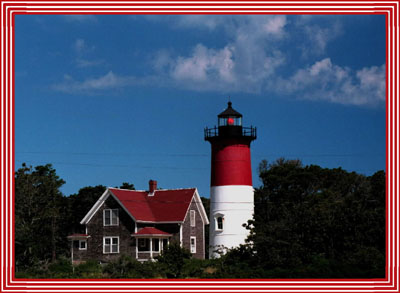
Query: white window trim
x: 192, y: 215
x: 216, y: 222
x: 104, y: 244
x: 84, y: 241
x: 111, y: 213
x: 194, y: 250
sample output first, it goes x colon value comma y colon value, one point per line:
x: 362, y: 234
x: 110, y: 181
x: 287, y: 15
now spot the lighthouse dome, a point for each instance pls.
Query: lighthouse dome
x: 229, y: 112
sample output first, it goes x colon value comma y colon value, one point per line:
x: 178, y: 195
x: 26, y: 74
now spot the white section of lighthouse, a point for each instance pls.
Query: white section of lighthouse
x: 232, y: 193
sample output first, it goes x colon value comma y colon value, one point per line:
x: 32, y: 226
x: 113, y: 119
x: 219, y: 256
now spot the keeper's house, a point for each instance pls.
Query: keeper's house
x: 140, y: 224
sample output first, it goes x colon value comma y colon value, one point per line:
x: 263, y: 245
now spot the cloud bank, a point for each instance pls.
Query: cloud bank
x: 253, y: 60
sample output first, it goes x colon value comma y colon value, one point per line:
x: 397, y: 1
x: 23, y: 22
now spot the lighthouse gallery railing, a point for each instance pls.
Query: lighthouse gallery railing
x: 246, y: 131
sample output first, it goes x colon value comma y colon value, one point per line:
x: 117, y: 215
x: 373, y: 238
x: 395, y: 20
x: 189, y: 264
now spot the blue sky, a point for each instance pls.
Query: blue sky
x: 109, y: 99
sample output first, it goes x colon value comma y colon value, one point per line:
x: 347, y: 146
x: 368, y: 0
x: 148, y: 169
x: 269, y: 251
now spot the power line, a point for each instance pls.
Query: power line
x: 113, y: 154
x: 114, y: 165
x: 198, y: 154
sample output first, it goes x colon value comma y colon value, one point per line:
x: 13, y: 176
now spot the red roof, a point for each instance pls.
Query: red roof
x: 163, y: 206
x: 150, y: 231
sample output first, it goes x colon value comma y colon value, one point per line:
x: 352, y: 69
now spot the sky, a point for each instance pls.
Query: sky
x: 108, y: 99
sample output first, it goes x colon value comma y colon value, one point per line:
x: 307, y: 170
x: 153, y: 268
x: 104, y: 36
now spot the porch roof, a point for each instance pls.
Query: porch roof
x: 151, y: 231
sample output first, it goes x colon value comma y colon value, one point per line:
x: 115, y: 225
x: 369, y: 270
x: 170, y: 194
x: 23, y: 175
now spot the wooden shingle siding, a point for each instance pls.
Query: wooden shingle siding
x: 97, y: 231
x: 196, y: 231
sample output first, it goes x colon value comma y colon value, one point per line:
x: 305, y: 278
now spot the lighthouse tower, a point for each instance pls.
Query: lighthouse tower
x: 232, y: 194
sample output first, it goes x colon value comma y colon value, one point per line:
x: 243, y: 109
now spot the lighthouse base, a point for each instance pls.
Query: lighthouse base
x: 231, y: 206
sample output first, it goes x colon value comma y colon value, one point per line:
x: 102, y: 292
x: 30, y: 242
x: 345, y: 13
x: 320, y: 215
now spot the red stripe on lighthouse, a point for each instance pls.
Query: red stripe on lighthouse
x: 231, y: 162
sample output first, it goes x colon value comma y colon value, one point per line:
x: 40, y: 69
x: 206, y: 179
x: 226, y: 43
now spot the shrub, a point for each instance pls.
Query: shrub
x: 128, y: 267
x: 172, y: 259
x: 61, y: 268
x: 88, y: 270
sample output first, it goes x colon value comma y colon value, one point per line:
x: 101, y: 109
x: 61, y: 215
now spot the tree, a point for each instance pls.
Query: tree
x: 39, y: 208
x: 306, y: 216
x: 126, y: 185
x: 80, y: 204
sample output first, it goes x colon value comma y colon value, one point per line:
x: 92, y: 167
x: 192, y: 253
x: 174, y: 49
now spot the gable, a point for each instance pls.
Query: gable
x: 196, y: 200
x: 100, y: 202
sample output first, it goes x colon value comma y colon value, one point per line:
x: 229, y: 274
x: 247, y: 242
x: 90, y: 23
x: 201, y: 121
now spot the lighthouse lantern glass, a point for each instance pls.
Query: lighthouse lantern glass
x: 230, y: 121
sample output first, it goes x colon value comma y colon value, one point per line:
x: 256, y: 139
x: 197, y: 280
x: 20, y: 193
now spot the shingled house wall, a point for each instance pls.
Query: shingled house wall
x: 197, y: 231
x: 97, y: 230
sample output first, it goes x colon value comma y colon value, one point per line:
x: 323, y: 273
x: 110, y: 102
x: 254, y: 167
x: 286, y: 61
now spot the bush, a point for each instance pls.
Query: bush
x: 172, y: 259
x: 199, y: 268
x: 128, y: 267
x: 88, y: 270
x: 62, y: 268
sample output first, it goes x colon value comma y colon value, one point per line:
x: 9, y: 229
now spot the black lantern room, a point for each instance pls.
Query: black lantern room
x: 230, y: 125
x: 229, y: 117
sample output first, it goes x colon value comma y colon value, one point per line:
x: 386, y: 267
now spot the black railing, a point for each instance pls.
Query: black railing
x: 250, y: 132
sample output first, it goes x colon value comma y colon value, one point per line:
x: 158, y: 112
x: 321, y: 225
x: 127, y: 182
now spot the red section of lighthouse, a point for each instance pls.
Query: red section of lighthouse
x: 231, y: 162
x: 231, y: 192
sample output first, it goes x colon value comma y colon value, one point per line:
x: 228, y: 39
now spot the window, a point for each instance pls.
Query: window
x: 220, y: 223
x: 192, y: 218
x: 111, y: 245
x: 144, y: 244
x: 110, y: 217
x: 193, y: 244
x: 82, y: 244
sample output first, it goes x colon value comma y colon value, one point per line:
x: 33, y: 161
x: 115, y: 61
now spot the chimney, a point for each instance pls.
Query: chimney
x: 152, y: 186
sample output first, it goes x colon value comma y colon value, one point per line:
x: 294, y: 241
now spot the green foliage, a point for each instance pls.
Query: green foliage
x: 40, y: 210
x: 126, y: 185
x: 128, y: 267
x: 315, y: 222
x: 88, y: 270
x: 80, y: 203
x: 172, y: 260
x: 62, y: 268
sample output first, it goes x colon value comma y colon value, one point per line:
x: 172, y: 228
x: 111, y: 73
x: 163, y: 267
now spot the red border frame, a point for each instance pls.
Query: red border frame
x: 8, y: 10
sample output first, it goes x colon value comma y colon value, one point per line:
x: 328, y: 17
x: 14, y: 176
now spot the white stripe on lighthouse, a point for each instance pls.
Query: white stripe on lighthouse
x: 235, y: 204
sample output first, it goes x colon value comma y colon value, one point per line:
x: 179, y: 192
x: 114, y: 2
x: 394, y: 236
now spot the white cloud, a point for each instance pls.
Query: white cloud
x: 82, y: 49
x: 82, y: 63
x: 205, y: 64
x: 105, y: 82
x: 241, y: 65
x: 275, y: 25
x: 373, y: 80
x: 317, y: 32
x: 251, y: 59
x: 326, y: 81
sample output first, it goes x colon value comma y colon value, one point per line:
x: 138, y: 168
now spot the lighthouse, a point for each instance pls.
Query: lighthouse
x: 232, y: 193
